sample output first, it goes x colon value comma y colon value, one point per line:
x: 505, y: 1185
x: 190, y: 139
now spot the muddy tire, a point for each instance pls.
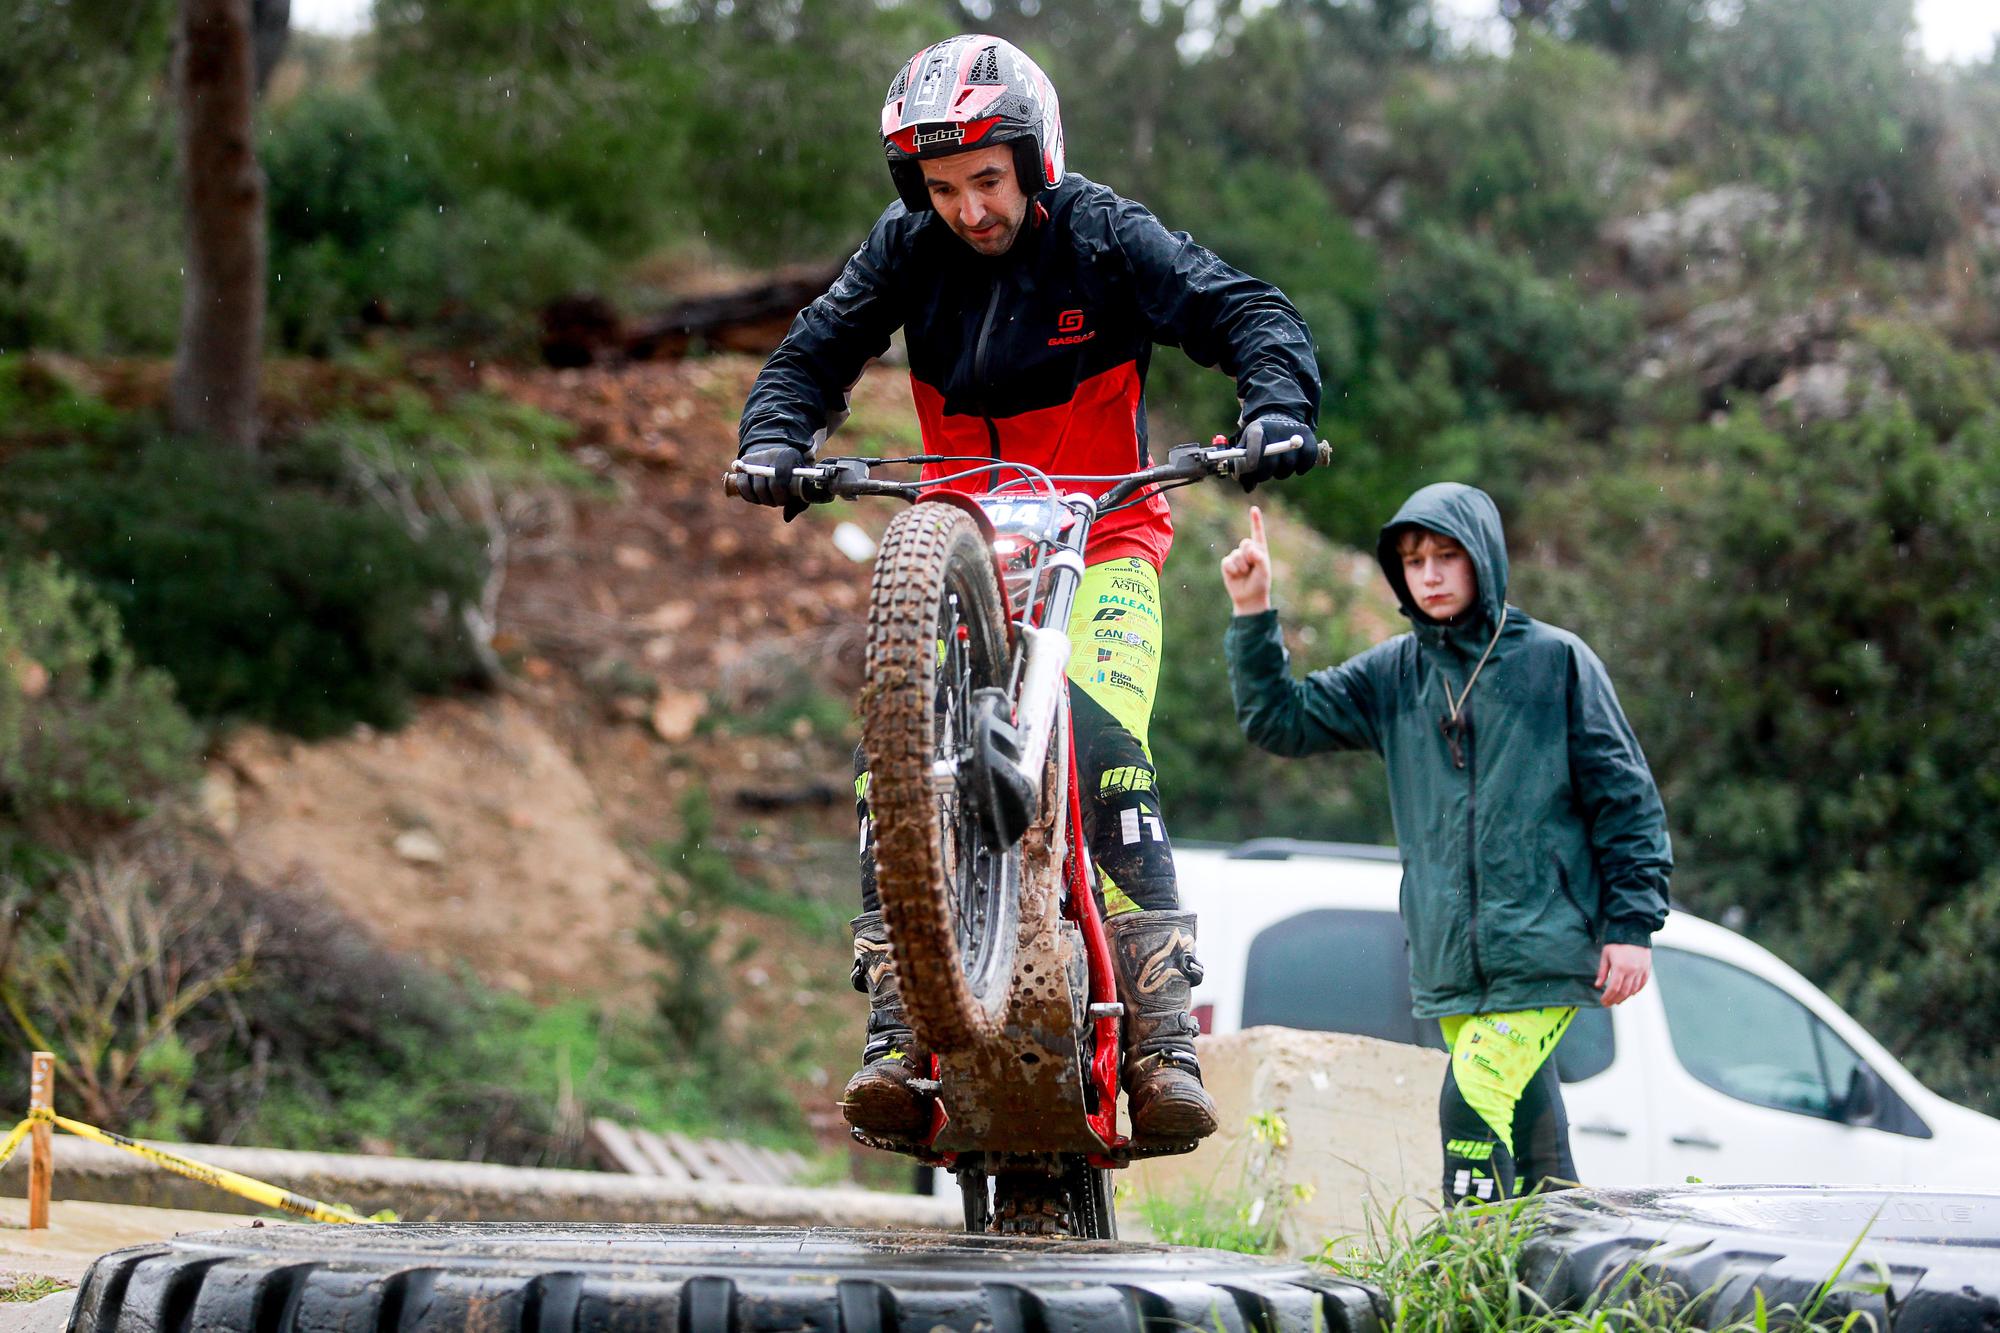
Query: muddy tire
x: 1722, y: 1245
x: 935, y: 634
x: 559, y: 1279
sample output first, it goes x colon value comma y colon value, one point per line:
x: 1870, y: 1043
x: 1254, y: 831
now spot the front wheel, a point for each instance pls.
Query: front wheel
x: 936, y: 636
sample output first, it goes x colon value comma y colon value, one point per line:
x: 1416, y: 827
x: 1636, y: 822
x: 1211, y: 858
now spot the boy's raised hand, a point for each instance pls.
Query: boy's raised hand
x: 1246, y: 571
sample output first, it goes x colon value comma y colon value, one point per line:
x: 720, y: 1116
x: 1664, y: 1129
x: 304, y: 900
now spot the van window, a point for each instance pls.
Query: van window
x: 1333, y: 971
x: 1586, y: 1050
x: 1743, y: 1036
x: 1349, y: 971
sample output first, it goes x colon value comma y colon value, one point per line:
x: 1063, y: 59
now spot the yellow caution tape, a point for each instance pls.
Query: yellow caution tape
x: 13, y: 1140
x: 234, y: 1182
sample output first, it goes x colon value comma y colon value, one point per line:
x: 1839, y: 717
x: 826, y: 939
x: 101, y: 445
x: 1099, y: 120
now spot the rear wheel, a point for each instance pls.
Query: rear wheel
x: 936, y: 636
x: 1092, y: 1214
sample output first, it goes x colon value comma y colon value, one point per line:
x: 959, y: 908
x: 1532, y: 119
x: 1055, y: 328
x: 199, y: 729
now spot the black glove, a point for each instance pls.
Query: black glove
x: 1275, y: 428
x: 773, y: 490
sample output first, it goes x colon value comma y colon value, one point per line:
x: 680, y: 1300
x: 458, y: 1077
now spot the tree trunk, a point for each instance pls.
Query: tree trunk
x: 222, y: 301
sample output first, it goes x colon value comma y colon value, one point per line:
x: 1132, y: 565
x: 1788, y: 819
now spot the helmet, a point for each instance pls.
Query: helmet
x: 971, y: 91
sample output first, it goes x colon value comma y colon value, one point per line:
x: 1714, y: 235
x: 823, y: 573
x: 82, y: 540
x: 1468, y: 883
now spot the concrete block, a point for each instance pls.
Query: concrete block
x: 1361, y: 1132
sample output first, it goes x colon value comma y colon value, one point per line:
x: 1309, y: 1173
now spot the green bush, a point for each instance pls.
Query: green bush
x: 89, y: 245
x: 564, y: 106
x: 342, y: 178
x: 299, y: 605
x: 1803, y: 628
x: 1822, y: 95
x: 1281, y: 225
x: 1513, y: 338
x: 83, y: 728
x: 482, y: 270
x: 1525, y: 147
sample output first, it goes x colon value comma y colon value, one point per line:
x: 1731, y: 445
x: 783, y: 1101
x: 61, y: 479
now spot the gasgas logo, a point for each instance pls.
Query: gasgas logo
x: 1070, y: 330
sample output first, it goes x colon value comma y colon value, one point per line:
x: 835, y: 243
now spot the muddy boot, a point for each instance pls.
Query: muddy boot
x: 879, y: 1100
x: 1154, y: 956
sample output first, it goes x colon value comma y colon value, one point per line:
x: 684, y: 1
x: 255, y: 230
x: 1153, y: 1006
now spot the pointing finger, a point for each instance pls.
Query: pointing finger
x: 1257, y: 525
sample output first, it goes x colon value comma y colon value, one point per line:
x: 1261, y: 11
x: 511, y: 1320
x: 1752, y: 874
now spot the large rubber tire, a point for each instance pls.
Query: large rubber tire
x: 1723, y: 1244
x: 555, y: 1279
x: 951, y: 905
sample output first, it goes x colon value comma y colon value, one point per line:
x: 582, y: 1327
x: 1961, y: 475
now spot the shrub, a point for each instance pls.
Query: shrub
x: 1838, y: 109
x: 300, y: 605
x: 83, y: 728
x: 1522, y: 147
x: 1513, y: 338
x: 88, y: 256
x: 342, y: 177
x: 482, y: 270
x: 563, y: 106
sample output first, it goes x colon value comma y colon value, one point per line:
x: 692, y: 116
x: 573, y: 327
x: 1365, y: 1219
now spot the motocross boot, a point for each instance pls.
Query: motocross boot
x: 1153, y: 954
x: 879, y: 1100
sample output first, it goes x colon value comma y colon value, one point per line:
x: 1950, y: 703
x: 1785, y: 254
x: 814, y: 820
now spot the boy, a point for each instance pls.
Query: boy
x: 1535, y: 853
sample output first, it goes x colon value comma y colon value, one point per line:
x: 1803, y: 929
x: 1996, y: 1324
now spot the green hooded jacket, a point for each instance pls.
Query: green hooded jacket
x: 1542, y: 839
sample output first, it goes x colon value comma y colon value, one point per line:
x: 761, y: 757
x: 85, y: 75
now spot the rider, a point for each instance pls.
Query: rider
x: 1030, y: 300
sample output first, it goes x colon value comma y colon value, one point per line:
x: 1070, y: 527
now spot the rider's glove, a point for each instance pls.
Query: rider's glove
x: 775, y: 489
x: 1274, y: 428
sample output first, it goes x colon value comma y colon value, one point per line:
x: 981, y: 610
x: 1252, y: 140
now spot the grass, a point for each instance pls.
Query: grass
x: 1242, y: 1214
x: 20, y: 1288
x: 1461, y: 1273
x: 514, y: 1075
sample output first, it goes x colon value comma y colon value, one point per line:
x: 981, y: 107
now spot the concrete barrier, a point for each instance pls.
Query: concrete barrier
x: 420, y: 1190
x: 1361, y: 1132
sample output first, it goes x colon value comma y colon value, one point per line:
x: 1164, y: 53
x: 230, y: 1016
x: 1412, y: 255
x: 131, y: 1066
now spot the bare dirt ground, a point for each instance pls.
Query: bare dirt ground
x: 659, y: 645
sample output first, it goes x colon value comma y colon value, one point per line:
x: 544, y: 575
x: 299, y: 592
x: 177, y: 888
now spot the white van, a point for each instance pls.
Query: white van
x: 1729, y: 1067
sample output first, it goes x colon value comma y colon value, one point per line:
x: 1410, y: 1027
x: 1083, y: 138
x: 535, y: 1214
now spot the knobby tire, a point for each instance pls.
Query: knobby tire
x: 934, y: 573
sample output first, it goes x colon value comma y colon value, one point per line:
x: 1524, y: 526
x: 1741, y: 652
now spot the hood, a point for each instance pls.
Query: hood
x: 1468, y: 516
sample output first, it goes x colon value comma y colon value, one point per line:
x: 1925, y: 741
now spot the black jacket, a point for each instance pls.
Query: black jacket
x: 1038, y: 355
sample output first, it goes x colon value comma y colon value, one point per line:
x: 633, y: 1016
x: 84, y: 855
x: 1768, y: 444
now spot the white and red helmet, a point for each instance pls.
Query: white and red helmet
x: 966, y: 92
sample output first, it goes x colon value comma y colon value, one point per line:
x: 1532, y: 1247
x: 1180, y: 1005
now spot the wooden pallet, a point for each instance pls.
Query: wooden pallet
x: 641, y: 1152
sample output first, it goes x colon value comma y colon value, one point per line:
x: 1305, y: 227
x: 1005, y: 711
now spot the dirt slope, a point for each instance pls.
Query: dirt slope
x: 511, y: 833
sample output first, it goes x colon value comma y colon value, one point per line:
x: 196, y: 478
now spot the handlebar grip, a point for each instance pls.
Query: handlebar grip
x: 732, y: 485
x: 1325, y: 452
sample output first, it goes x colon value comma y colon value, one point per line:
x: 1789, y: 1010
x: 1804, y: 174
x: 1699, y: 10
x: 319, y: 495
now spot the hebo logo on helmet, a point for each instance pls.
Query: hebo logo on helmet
x: 966, y: 91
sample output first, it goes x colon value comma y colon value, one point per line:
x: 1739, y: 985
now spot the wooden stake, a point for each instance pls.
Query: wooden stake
x: 42, y: 1158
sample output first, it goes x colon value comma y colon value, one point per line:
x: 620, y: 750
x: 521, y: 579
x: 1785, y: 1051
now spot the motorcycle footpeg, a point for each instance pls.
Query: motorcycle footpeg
x: 923, y: 1087
x: 1005, y: 801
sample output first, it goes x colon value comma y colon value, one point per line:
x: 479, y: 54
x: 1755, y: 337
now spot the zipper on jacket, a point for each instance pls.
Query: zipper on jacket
x: 1472, y: 854
x: 979, y: 372
x: 1562, y: 882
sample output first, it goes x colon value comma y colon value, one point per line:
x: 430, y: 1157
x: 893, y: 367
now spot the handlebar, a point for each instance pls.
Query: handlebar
x: 847, y: 478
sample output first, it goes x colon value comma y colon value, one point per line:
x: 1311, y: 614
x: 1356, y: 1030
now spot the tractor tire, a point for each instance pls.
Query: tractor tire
x: 1917, y: 1261
x: 507, y: 1276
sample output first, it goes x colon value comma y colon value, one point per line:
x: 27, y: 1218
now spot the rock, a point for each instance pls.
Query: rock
x: 1703, y: 236
x: 1835, y: 387
x: 420, y: 846
x: 1814, y: 393
x: 216, y: 798
x: 1361, y: 1131
x: 1732, y: 348
x: 668, y: 617
x: 675, y: 714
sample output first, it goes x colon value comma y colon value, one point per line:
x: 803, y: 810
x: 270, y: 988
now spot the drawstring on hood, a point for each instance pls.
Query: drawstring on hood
x: 1469, y: 517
